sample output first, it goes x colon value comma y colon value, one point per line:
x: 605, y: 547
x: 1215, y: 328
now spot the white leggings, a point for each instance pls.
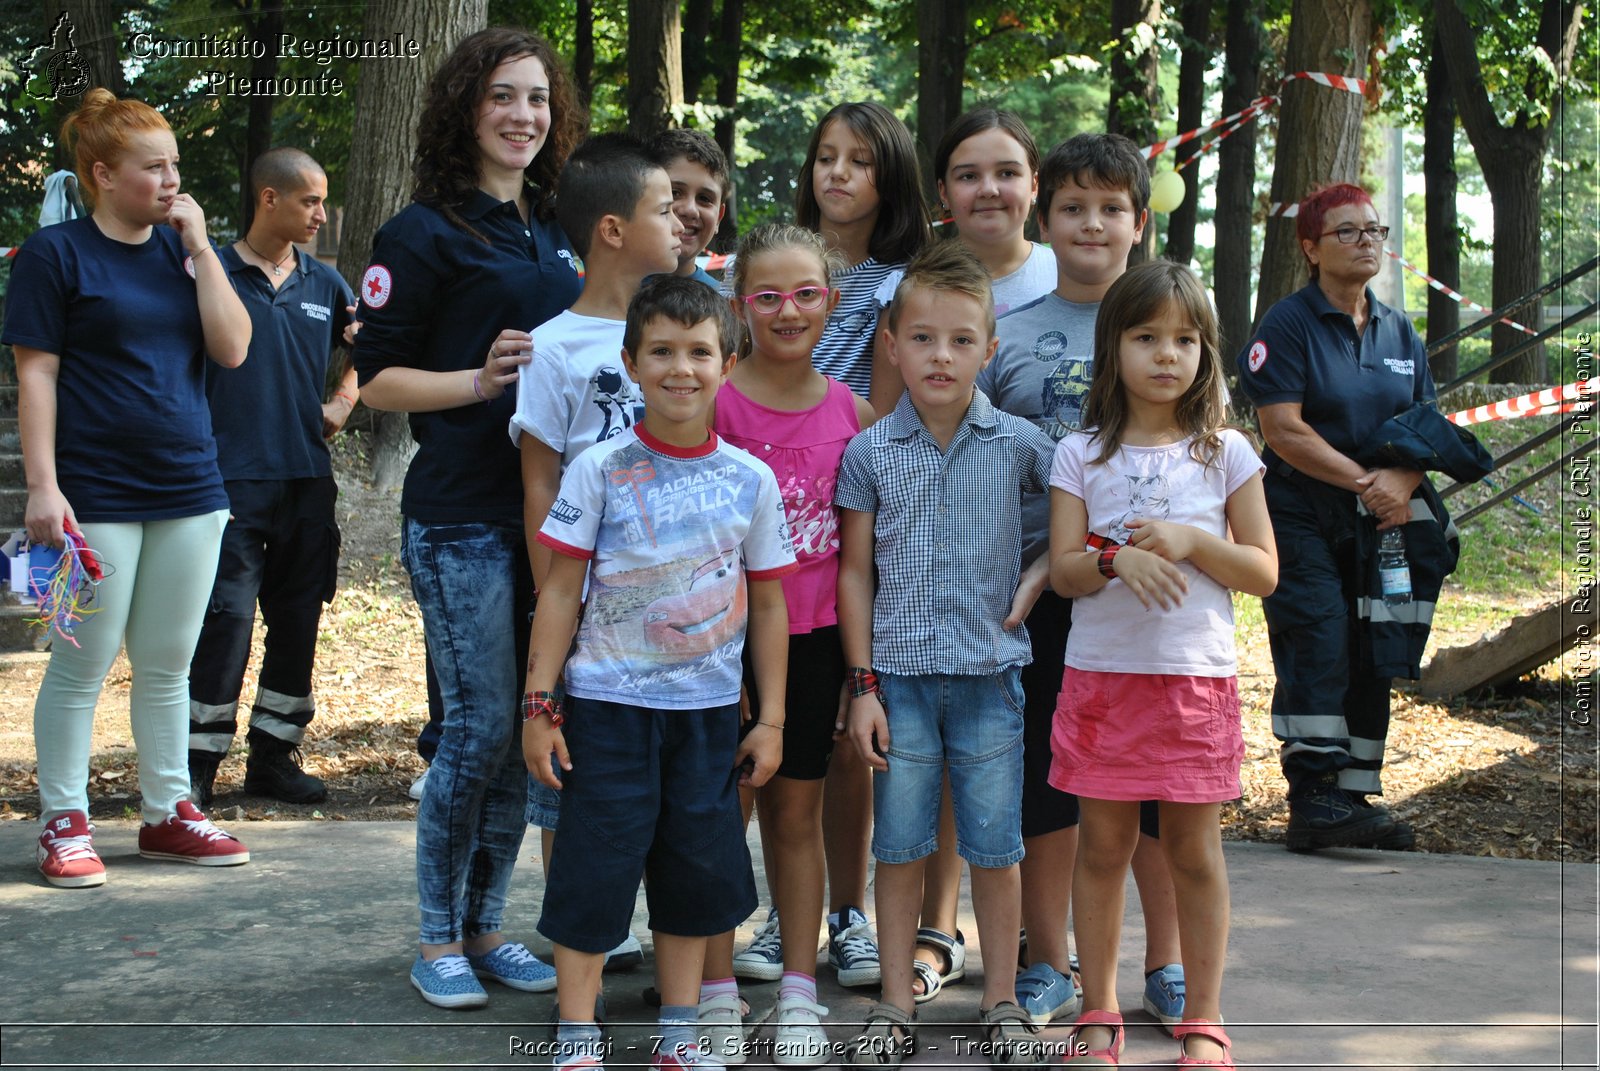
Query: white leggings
x: 156, y: 598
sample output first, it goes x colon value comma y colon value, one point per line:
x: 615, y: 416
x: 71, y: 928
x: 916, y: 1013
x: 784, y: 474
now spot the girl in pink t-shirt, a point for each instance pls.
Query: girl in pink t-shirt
x: 782, y: 410
x: 1155, y: 514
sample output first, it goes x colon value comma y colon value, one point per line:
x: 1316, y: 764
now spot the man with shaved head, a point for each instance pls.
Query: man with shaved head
x: 281, y: 546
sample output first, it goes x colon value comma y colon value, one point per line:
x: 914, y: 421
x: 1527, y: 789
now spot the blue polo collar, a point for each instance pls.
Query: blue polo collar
x: 904, y: 423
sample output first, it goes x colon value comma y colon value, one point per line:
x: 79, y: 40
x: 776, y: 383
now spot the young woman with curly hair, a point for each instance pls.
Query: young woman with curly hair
x: 457, y: 281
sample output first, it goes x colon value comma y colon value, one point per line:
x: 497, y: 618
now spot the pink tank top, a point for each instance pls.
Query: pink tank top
x: 803, y: 449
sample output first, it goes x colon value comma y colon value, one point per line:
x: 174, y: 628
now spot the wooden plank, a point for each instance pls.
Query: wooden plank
x: 1524, y: 645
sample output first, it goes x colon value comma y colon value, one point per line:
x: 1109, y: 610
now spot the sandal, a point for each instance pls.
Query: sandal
x: 1086, y: 1057
x: 888, y: 1038
x: 1013, y: 1039
x: 1207, y: 1029
x: 933, y: 977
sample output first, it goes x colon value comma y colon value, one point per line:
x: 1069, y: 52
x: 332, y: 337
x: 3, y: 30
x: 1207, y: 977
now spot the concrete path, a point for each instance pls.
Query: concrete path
x: 1345, y: 959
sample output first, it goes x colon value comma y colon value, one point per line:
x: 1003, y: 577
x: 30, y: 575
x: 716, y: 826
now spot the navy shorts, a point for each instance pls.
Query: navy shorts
x: 650, y: 792
x: 812, y: 691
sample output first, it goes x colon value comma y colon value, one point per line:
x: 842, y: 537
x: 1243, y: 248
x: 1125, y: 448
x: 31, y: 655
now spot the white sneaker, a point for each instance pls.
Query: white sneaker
x: 417, y: 786
x: 799, y: 1040
x: 626, y: 956
x: 722, y: 1029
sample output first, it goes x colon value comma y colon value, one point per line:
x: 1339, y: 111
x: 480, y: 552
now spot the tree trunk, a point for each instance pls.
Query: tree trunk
x: 264, y: 25
x: 1134, y: 88
x: 1191, y: 108
x: 1439, y: 200
x: 378, y: 179
x: 655, y: 65
x: 583, y: 52
x: 729, y: 52
x: 1512, y: 159
x: 697, y: 46
x: 96, y: 37
x: 941, y: 68
x: 1232, y: 268
x: 1319, y: 129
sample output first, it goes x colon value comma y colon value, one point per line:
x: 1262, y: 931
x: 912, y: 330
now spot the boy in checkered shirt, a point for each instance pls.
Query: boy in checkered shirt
x: 931, y: 495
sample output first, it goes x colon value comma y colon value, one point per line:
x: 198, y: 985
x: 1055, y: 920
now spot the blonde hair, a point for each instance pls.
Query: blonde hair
x: 1139, y: 295
x: 951, y: 267
x: 770, y: 238
x: 99, y: 132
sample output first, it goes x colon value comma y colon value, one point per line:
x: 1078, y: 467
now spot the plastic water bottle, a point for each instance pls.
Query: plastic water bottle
x: 1394, y: 572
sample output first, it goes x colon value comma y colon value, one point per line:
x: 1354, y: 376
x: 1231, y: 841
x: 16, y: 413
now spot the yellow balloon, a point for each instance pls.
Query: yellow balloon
x: 1166, y: 191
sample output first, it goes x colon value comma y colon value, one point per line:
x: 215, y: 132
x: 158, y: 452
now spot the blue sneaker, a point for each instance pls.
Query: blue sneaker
x: 853, y: 949
x: 448, y: 982
x: 1163, y: 994
x: 511, y: 964
x: 1045, y: 993
x: 762, y: 959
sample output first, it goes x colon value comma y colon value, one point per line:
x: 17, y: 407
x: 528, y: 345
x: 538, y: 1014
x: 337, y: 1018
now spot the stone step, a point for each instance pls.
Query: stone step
x: 13, y: 506
x: 11, y: 474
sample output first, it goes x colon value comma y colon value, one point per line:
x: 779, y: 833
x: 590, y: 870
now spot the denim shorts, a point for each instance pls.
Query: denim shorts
x: 650, y: 793
x: 972, y: 724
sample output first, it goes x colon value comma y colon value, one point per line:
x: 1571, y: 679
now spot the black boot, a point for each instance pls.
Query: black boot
x: 1399, y: 838
x: 1323, y: 815
x: 273, y: 769
x: 202, y: 777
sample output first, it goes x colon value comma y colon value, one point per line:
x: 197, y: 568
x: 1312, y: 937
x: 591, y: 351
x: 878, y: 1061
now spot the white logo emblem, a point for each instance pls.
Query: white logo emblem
x: 1258, y: 356
x: 188, y: 266
x: 375, y: 287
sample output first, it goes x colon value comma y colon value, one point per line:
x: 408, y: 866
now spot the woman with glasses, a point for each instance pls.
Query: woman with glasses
x: 1329, y: 365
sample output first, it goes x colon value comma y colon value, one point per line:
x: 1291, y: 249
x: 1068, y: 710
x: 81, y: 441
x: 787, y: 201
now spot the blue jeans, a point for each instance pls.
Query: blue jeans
x: 971, y: 725
x: 473, y: 586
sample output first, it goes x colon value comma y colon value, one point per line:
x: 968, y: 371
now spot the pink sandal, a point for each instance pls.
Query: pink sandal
x: 1207, y: 1029
x: 1107, y: 1057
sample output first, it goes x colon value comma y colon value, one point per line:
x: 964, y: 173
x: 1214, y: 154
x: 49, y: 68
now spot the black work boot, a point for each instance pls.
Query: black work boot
x: 202, y: 777
x: 1400, y: 837
x: 1323, y: 815
x: 273, y: 769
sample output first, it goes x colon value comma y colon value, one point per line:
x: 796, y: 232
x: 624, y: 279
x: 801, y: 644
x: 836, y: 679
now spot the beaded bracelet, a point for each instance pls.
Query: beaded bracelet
x: 862, y: 681
x: 547, y: 703
x: 1104, y: 563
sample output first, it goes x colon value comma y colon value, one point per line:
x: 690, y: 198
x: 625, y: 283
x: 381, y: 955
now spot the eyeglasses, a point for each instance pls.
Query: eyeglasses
x: 806, y: 299
x: 1350, y: 235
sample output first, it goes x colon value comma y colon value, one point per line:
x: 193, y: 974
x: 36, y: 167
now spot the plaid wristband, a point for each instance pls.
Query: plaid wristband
x: 861, y: 681
x: 546, y: 703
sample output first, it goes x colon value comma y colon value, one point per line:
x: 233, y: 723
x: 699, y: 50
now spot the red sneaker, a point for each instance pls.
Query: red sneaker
x: 66, y: 854
x: 189, y: 837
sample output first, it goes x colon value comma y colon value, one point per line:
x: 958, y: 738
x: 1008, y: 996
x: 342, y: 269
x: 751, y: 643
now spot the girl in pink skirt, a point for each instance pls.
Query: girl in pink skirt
x: 1156, y: 513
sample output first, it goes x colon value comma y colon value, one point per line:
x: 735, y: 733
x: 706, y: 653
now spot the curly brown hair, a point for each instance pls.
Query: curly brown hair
x: 445, y: 166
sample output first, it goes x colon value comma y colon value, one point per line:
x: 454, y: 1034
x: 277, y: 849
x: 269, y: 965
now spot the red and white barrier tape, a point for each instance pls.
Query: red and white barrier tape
x: 1459, y: 298
x: 1253, y: 109
x: 9, y: 250
x: 1538, y: 403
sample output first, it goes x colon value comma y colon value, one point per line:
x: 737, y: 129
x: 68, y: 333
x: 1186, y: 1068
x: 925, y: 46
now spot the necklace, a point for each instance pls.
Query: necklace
x: 277, y: 269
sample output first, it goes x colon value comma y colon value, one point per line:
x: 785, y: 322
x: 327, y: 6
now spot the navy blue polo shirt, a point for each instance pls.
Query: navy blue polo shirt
x: 267, y: 413
x: 1347, y: 385
x: 434, y: 297
x: 133, y: 434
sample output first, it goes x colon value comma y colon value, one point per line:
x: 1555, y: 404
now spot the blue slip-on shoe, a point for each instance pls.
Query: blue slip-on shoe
x: 853, y: 949
x: 1045, y: 994
x: 511, y: 964
x: 448, y: 982
x: 1163, y: 994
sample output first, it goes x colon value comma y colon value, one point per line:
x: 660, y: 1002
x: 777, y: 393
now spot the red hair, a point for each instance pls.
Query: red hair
x: 1312, y: 216
x: 99, y: 132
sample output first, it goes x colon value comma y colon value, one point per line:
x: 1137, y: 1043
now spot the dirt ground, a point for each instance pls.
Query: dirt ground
x: 1502, y: 775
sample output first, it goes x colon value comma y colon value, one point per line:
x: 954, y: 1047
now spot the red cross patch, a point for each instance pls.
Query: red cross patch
x: 1258, y: 356
x: 188, y: 266
x: 375, y: 287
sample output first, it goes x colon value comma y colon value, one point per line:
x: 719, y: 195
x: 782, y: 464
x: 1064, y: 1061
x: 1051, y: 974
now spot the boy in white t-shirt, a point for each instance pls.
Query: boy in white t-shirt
x: 683, y: 540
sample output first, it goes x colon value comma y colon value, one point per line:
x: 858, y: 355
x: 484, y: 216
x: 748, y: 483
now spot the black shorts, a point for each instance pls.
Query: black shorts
x: 811, y: 701
x: 1045, y: 809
